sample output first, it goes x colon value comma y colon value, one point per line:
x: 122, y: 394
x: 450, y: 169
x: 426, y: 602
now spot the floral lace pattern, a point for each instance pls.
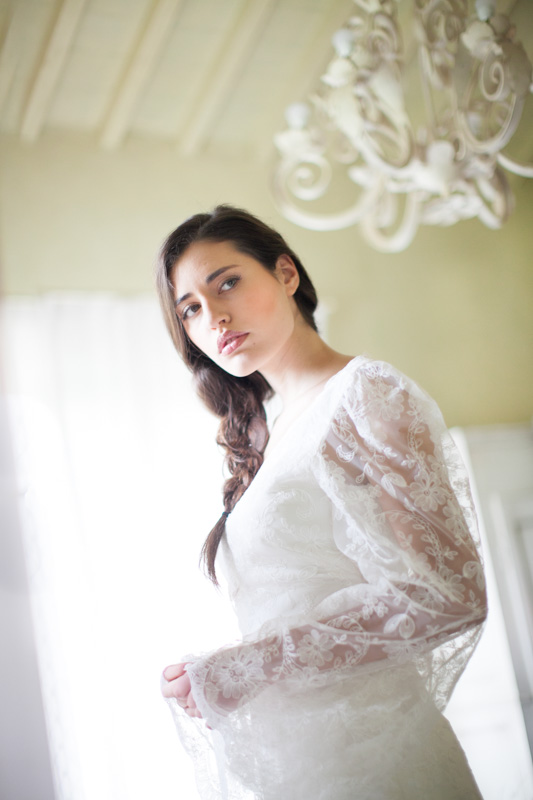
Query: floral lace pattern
x: 361, y: 560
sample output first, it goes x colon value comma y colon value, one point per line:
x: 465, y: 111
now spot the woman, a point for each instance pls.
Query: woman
x: 347, y: 540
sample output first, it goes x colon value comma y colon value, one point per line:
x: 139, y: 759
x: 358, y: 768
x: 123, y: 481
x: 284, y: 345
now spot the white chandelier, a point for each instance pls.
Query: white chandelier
x: 474, y: 77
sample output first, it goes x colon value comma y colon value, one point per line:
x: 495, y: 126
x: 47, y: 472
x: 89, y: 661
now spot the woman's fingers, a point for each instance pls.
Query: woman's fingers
x: 180, y: 690
x: 178, y: 687
x: 173, y: 671
x: 167, y: 689
x: 176, y: 684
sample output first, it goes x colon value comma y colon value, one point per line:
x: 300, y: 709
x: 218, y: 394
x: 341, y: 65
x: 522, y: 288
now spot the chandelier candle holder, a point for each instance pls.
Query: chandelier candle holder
x: 475, y: 77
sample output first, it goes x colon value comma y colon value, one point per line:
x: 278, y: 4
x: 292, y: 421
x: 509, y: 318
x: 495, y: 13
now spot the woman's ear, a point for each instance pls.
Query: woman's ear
x: 287, y: 273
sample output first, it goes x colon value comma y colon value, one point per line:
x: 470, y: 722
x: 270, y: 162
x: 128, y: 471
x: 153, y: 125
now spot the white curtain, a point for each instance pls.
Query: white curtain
x: 120, y: 482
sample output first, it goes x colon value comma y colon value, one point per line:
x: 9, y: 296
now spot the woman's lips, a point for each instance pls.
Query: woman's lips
x: 229, y: 344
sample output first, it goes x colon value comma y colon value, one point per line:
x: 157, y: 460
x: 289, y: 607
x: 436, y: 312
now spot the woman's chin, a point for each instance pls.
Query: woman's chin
x: 239, y: 368
x: 238, y: 372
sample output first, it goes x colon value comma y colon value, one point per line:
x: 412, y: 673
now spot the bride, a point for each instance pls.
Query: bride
x: 347, y: 540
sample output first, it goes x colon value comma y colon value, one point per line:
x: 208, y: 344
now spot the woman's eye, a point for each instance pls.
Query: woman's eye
x: 189, y: 311
x: 229, y: 283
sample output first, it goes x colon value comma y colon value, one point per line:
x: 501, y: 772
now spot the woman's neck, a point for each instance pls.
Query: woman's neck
x: 304, y: 366
x: 300, y: 390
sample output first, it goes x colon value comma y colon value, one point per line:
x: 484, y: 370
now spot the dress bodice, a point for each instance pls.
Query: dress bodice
x: 278, y: 555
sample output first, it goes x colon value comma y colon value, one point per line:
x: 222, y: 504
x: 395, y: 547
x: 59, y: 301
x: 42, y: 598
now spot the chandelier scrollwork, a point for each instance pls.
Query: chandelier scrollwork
x: 475, y: 77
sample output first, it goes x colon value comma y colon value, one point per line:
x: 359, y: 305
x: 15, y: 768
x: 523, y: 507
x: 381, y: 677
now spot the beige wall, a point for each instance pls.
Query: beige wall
x: 455, y: 311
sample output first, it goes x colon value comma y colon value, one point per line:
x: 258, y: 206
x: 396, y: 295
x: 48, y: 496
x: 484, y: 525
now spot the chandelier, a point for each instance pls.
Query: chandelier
x: 474, y: 80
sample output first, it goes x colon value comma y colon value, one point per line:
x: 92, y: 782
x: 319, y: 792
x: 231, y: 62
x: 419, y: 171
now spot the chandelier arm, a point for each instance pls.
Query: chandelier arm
x: 323, y: 222
x: 368, y: 150
x: 496, y: 200
x: 490, y: 218
x: 405, y: 234
x: 502, y: 137
x: 516, y: 167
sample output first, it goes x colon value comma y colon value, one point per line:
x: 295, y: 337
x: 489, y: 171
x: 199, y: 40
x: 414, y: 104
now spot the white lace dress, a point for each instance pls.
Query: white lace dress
x: 353, y: 565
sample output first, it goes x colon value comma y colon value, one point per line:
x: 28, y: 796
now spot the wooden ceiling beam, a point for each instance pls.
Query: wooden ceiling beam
x: 49, y: 71
x: 141, y: 67
x: 221, y: 79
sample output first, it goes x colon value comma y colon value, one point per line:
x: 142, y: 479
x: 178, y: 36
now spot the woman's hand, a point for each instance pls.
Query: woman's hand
x: 177, y: 684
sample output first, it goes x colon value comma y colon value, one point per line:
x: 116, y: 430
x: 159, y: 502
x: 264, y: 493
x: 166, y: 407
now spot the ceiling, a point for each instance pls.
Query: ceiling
x: 210, y: 76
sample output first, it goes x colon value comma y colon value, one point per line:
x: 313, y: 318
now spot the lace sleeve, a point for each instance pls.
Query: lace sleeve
x: 402, y: 512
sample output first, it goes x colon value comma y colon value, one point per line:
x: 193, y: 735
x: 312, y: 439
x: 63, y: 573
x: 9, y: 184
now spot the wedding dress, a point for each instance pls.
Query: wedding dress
x: 353, y: 565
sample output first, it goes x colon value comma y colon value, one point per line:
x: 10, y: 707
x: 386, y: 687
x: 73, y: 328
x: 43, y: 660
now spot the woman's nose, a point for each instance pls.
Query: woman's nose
x: 217, y: 315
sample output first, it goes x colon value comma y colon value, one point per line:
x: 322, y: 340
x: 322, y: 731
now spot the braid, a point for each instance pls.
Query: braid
x: 242, y: 434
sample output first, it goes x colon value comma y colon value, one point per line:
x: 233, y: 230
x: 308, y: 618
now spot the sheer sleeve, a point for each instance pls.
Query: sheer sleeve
x: 402, y: 512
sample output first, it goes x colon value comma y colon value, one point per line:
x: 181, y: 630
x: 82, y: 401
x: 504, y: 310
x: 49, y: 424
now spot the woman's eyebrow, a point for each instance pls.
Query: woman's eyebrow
x: 210, y: 278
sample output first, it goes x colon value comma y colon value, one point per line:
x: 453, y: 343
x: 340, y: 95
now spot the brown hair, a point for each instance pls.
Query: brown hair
x: 238, y: 402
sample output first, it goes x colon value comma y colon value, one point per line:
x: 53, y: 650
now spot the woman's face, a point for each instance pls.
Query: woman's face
x: 235, y: 311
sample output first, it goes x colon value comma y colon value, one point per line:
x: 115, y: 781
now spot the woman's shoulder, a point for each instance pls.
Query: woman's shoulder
x: 362, y: 370
x: 366, y: 384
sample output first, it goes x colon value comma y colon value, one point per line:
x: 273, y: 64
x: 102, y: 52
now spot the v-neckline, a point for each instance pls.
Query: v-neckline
x: 270, y: 462
x: 305, y: 411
